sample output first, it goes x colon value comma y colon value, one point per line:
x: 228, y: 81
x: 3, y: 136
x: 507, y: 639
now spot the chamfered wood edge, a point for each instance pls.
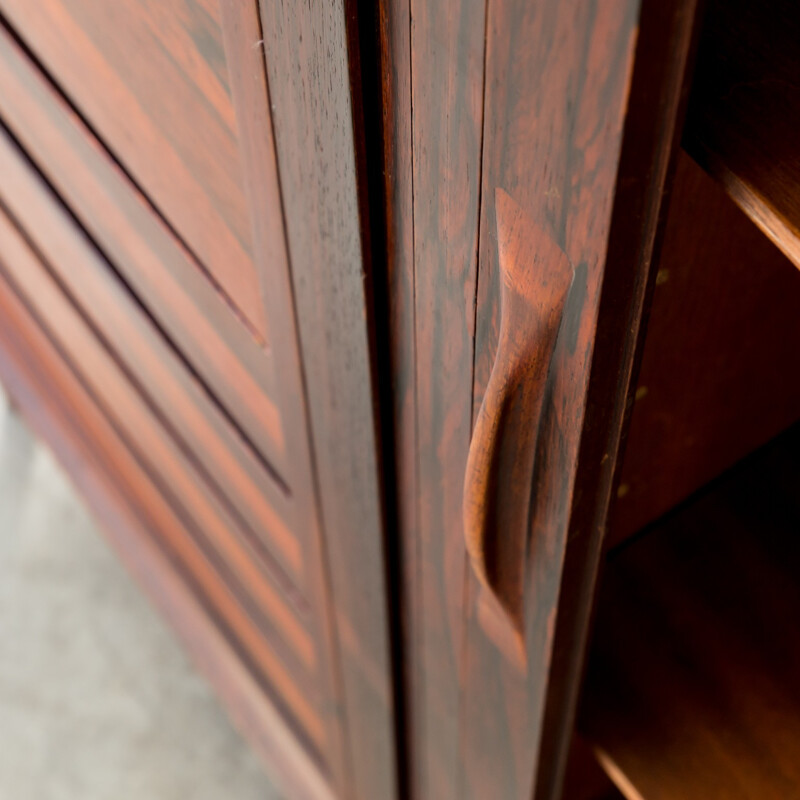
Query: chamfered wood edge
x: 616, y: 775
x: 116, y: 511
x: 756, y: 204
x: 740, y: 124
x: 656, y: 108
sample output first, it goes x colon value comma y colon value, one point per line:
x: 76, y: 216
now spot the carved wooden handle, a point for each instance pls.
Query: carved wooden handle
x: 536, y: 277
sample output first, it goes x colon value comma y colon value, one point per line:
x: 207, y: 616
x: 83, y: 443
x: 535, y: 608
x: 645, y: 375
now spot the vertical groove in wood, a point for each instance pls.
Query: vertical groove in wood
x: 447, y: 65
x: 394, y: 23
x: 468, y: 588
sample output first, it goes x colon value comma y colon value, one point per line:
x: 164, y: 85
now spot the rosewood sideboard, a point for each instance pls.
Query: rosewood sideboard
x: 399, y: 347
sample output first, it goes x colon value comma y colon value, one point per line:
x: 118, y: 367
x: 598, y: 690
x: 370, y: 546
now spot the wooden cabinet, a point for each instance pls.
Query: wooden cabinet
x: 334, y: 312
x: 181, y: 265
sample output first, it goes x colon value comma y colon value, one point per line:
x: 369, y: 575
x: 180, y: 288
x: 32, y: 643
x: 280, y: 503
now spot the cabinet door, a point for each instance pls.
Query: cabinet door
x: 503, y: 145
x: 183, y: 228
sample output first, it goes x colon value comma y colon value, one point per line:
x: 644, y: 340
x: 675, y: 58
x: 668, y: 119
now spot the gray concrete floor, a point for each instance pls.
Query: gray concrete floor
x: 97, y: 700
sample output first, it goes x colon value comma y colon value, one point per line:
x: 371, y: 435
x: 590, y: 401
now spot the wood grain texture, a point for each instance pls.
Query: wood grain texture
x: 333, y: 677
x: 692, y: 687
x: 556, y: 89
x: 446, y: 72
x: 554, y: 141
x: 536, y: 277
x: 656, y: 108
x: 236, y: 370
x: 742, y: 125
x: 309, y: 79
x: 217, y: 553
x: 714, y: 383
x: 153, y: 58
x: 131, y: 511
x: 246, y: 50
x: 261, y: 507
x: 351, y: 697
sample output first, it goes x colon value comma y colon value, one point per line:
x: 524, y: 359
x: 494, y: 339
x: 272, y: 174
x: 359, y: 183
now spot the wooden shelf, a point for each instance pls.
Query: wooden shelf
x: 585, y: 779
x: 693, y: 687
x: 714, y: 383
x: 743, y: 119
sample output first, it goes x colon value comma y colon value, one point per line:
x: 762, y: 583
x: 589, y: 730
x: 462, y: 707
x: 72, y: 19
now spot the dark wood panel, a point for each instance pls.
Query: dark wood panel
x: 312, y: 101
x: 742, y: 125
x: 716, y: 379
x: 238, y: 371
x: 261, y: 506
x: 557, y: 79
x: 659, y: 88
x: 692, y: 689
x: 152, y: 79
x: 140, y: 524
x: 447, y: 68
x: 276, y: 637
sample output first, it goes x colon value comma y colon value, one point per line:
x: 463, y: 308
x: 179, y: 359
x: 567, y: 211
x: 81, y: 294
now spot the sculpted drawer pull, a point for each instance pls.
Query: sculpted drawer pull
x: 536, y: 277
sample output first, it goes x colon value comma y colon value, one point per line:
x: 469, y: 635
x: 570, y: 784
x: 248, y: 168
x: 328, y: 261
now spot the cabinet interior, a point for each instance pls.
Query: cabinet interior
x: 691, y: 688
